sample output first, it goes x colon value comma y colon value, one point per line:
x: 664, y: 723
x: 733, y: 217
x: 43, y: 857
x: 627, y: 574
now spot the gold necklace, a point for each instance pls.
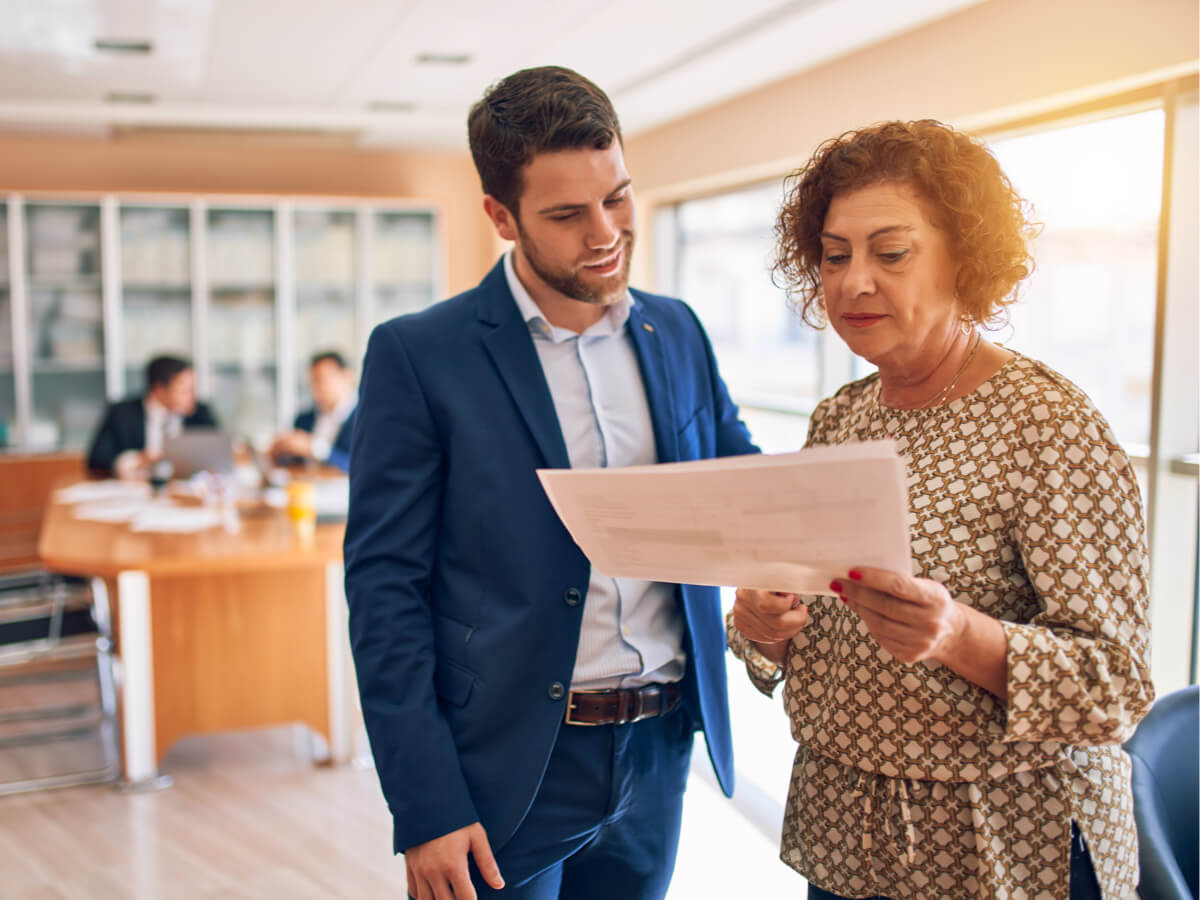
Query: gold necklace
x: 941, y: 395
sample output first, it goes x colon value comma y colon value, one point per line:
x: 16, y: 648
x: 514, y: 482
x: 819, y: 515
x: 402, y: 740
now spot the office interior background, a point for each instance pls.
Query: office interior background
x: 246, y: 182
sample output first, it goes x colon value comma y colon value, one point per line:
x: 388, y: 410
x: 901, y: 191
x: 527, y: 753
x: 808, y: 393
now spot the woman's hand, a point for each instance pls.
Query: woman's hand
x: 916, y: 619
x: 770, y: 619
x: 911, y: 618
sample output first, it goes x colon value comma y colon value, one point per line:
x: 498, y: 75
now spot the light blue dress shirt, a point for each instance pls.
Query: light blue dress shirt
x: 632, y: 630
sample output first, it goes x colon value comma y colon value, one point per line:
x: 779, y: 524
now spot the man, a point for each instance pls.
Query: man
x: 532, y: 720
x: 131, y: 434
x: 322, y: 433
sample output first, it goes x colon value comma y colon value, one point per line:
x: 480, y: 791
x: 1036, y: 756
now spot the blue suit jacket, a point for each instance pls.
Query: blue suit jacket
x: 339, y: 454
x: 457, y: 567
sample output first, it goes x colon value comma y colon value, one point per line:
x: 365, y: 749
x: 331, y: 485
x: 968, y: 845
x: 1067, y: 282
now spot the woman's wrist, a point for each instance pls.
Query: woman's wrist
x: 775, y: 651
x: 977, y: 649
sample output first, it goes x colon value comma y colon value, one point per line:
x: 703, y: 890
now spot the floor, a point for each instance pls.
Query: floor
x: 247, y: 817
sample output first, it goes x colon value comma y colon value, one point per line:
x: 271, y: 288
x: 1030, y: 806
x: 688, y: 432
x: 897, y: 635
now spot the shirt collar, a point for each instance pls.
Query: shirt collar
x: 614, y: 319
x: 342, y: 411
x: 155, y: 411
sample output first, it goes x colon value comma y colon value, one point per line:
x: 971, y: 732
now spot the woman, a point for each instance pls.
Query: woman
x: 959, y: 727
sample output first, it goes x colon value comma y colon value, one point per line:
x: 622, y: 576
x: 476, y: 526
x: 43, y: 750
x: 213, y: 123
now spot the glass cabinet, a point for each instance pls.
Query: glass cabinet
x: 404, y: 263
x: 248, y: 289
x: 156, y: 288
x: 66, y: 323
x: 326, y: 288
x: 8, y: 389
x: 241, y: 318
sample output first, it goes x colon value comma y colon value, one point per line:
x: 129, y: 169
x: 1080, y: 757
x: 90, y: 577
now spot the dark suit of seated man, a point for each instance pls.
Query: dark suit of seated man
x: 131, y: 434
x: 322, y: 432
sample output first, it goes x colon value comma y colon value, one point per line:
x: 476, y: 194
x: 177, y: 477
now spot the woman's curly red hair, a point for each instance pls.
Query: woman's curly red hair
x: 987, y: 224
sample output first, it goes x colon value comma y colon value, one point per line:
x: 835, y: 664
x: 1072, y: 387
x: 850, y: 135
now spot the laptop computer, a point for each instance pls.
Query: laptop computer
x: 199, y: 450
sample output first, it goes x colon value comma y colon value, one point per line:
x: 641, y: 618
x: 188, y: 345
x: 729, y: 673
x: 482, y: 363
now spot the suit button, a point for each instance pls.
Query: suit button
x: 556, y: 690
x: 572, y: 597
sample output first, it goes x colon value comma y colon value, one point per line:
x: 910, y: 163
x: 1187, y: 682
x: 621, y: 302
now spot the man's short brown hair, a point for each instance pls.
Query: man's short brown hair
x: 535, y: 111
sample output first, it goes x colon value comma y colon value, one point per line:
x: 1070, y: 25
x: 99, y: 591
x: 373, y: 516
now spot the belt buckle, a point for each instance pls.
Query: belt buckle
x: 570, y: 720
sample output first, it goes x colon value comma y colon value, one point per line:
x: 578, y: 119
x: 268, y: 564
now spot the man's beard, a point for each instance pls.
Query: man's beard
x: 571, y: 283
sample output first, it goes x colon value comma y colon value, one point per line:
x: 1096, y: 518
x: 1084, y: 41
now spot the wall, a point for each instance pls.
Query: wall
x: 212, y: 165
x: 995, y: 62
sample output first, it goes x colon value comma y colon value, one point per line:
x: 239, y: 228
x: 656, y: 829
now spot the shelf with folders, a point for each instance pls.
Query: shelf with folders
x: 326, y: 307
x: 249, y: 288
x: 66, y: 327
x: 8, y: 388
x: 156, y: 286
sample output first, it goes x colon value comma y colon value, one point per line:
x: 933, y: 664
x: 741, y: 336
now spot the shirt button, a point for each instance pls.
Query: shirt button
x: 556, y: 691
x: 572, y: 597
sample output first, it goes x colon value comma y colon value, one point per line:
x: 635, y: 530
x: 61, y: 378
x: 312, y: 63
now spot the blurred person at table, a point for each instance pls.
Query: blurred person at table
x: 132, y: 431
x: 959, y: 725
x: 322, y: 432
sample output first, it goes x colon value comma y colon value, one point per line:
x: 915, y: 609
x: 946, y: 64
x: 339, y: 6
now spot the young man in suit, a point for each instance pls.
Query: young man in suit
x: 532, y: 720
x: 322, y: 432
x: 131, y: 434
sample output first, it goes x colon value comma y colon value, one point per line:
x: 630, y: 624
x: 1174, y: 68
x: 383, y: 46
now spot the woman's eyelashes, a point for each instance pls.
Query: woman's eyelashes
x: 838, y: 257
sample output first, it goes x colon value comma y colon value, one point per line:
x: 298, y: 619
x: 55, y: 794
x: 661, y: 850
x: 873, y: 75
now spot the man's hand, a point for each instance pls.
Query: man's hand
x: 437, y: 869
x: 770, y: 619
x: 293, y: 443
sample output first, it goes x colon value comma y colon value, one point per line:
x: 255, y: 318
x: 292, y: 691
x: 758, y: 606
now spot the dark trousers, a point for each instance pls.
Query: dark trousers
x: 605, y: 822
x: 1083, y: 875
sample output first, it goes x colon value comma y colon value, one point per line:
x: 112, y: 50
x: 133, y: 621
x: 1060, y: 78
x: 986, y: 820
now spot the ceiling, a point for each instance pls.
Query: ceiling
x: 354, y: 68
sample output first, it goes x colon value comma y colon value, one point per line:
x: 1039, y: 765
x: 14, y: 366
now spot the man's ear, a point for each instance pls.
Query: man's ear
x: 503, y: 221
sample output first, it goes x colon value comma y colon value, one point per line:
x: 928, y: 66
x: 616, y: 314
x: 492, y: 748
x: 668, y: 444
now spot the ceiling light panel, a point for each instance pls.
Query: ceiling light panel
x: 267, y: 51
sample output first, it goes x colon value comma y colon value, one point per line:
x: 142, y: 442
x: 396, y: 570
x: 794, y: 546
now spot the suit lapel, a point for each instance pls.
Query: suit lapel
x: 507, y: 341
x: 647, y: 344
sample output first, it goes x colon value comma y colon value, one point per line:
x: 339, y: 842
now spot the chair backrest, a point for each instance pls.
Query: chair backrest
x: 25, y: 484
x: 1165, y: 751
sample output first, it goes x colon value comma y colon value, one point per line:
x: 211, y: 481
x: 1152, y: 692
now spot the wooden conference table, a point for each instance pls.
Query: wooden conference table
x: 218, y: 631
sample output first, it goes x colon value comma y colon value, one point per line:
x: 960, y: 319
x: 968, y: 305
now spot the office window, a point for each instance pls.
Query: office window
x: 1088, y: 309
x: 719, y: 256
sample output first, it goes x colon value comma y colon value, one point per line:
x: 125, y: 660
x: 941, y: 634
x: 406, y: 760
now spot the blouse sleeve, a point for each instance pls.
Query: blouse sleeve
x: 763, y: 672
x: 1078, y: 671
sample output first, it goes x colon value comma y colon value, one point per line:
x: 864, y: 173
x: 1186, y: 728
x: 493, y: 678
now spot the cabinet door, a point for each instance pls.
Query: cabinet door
x: 66, y: 323
x: 8, y: 390
x: 156, y: 301
x: 241, y: 319
x: 403, y: 263
x: 325, y: 291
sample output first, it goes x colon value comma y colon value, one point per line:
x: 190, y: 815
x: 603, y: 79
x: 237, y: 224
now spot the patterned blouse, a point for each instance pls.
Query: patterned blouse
x: 912, y: 782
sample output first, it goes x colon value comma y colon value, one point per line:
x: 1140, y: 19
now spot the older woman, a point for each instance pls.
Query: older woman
x: 959, y: 726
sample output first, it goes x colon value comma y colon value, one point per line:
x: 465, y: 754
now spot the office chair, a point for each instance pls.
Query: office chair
x: 57, y: 696
x: 1166, y: 803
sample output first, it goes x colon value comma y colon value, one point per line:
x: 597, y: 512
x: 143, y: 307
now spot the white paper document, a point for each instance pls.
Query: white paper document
x: 786, y: 522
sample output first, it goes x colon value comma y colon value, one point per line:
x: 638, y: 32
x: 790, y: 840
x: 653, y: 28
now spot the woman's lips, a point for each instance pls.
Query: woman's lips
x: 861, y: 320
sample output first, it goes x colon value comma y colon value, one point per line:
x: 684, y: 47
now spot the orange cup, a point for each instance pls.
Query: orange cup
x: 302, y: 508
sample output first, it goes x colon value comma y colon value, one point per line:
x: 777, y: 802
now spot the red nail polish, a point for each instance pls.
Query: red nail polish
x: 835, y: 586
x: 844, y: 600
x: 856, y: 575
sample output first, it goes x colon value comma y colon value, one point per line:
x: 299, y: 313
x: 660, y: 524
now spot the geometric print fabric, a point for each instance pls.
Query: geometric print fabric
x: 910, y: 781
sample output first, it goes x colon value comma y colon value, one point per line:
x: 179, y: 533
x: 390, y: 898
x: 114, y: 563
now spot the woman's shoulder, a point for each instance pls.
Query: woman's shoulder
x: 1042, y: 397
x: 850, y: 395
x: 849, y: 401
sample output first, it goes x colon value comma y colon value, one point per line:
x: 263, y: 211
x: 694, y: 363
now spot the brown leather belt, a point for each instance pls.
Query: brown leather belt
x: 620, y: 707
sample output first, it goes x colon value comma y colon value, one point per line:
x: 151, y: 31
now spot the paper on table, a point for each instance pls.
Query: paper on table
x: 786, y: 522
x: 87, y: 491
x: 176, y: 519
x: 116, y: 509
